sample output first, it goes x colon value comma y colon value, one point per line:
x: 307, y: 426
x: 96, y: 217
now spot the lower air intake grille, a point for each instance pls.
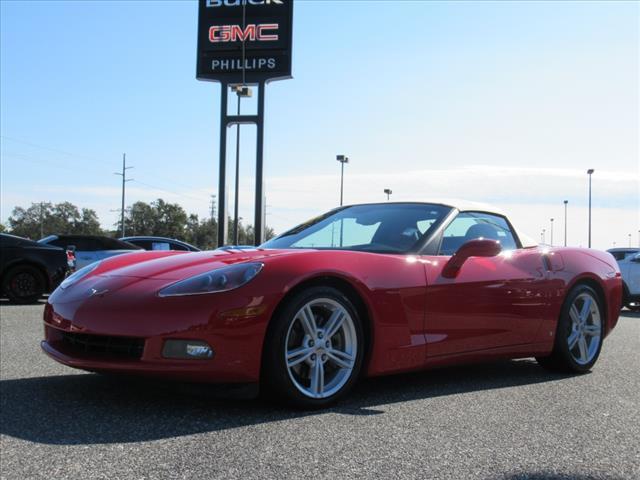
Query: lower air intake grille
x: 125, y: 347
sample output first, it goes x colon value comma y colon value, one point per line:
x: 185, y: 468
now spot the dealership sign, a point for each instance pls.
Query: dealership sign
x: 244, y: 41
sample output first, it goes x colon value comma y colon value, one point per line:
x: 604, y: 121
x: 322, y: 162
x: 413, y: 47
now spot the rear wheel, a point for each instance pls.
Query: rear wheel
x: 314, y: 349
x: 24, y: 284
x: 579, y: 334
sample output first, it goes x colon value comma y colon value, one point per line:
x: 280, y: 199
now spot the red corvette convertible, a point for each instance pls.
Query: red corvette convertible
x: 360, y: 291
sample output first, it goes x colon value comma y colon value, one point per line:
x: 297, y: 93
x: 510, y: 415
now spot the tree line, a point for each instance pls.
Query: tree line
x: 158, y: 218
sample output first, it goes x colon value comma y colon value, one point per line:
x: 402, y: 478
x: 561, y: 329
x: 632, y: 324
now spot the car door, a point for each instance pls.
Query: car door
x: 493, y: 301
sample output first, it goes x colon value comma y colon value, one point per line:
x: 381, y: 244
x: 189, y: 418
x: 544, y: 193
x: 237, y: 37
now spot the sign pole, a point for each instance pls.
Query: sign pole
x: 243, y: 43
x: 222, y: 173
x: 259, y: 205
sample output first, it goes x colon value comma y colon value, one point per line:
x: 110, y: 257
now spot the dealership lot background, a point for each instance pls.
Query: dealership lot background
x: 509, y: 420
x: 502, y: 102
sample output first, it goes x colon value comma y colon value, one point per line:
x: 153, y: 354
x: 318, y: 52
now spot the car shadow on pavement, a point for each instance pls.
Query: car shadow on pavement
x: 94, y: 409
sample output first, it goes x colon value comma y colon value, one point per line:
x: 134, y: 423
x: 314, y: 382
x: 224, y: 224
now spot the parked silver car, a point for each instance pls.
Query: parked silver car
x: 160, y: 243
x: 629, y: 261
x: 90, y: 248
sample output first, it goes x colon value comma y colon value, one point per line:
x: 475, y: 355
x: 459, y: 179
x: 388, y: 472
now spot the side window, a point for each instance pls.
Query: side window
x: 141, y: 243
x: 160, y: 246
x: 471, y: 225
x: 177, y: 246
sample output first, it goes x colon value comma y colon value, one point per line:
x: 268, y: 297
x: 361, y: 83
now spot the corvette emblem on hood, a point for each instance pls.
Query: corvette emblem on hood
x: 97, y: 293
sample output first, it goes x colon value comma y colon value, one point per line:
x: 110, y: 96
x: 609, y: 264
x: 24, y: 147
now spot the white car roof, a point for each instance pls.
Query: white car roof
x: 462, y: 205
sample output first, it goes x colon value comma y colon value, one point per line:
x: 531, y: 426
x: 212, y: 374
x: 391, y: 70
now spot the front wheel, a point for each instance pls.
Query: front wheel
x: 579, y: 334
x: 314, y: 350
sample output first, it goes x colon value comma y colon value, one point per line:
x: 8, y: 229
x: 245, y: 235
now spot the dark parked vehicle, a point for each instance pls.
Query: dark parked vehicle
x: 29, y: 269
x: 160, y: 243
x: 89, y: 248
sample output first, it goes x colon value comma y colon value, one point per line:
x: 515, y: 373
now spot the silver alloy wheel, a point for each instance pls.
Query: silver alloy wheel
x: 321, y: 348
x: 586, y: 329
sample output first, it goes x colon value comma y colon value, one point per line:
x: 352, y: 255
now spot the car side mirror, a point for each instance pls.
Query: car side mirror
x: 480, y: 247
x: 636, y: 258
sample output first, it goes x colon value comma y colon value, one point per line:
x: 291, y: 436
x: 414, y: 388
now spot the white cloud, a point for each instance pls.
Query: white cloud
x: 532, y: 195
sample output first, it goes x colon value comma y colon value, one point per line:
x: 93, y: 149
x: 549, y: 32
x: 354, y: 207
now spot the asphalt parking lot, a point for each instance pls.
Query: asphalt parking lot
x: 507, y: 420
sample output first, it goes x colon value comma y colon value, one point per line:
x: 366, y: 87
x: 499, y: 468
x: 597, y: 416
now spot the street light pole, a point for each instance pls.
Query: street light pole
x: 388, y: 191
x: 542, y: 234
x: 551, y: 241
x: 590, y: 172
x: 565, y: 222
x: 342, y: 159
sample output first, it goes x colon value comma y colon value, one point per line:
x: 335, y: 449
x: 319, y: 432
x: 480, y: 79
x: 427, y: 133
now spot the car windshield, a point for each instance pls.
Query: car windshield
x: 382, y: 228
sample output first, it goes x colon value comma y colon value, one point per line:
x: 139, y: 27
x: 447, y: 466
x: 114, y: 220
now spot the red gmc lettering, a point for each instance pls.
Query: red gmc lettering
x: 252, y: 32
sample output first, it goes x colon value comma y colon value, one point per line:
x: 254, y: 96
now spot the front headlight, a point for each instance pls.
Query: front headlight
x: 79, y: 275
x: 218, y: 280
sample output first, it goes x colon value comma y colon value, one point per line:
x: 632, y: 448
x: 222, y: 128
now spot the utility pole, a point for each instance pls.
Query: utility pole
x: 124, y: 181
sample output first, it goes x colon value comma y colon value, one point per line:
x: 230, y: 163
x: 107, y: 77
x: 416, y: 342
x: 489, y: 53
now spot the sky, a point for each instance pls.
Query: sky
x: 507, y: 103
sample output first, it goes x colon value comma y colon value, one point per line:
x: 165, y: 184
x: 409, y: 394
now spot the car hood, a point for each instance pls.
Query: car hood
x: 184, y: 265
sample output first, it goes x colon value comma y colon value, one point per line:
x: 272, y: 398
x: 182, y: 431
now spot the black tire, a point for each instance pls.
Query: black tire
x: 634, y: 307
x: 561, y: 358
x: 277, y: 380
x: 24, y: 284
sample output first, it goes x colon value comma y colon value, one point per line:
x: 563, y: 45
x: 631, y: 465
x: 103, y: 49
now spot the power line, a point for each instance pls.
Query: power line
x: 94, y: 161
x: 155, y: 187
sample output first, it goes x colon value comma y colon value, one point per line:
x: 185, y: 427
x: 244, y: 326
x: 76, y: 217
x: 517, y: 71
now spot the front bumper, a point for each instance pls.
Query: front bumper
x: 233, y: 324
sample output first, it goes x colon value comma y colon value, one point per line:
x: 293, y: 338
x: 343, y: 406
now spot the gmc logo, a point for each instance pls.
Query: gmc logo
x: 237, y: 3
x: 235, y: 33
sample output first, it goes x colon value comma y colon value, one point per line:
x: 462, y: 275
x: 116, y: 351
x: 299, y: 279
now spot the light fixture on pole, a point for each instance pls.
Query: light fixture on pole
x: 590, y: 172
x: 388, y: 191
x: 565, y: 222
x: 342, y: 159
x: 551, y: 240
